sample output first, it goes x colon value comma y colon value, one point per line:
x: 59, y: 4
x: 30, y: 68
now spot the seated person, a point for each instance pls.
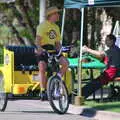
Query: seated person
x: 48, y: 33
x: 112, y: 61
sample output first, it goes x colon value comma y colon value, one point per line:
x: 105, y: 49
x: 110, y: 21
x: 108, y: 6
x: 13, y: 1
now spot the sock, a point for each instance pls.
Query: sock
x: 42, y: 89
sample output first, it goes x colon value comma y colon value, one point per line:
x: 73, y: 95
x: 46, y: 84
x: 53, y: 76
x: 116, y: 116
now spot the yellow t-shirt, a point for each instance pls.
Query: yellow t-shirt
x: 49, y: 32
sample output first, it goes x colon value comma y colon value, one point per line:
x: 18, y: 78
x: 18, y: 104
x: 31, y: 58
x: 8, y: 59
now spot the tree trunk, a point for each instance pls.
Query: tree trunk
x: 92, y: 43
x: 85, y: 31
x: 23, y: 10
x: 14, y: 31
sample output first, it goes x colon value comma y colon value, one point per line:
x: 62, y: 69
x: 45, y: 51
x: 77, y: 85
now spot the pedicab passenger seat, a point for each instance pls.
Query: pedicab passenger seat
x: 24, y: 58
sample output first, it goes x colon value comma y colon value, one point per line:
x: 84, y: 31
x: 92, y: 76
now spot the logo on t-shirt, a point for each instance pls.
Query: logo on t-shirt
x: 52, y: 34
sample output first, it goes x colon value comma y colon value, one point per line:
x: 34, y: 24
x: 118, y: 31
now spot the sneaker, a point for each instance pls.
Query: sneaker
x: 43, y: 96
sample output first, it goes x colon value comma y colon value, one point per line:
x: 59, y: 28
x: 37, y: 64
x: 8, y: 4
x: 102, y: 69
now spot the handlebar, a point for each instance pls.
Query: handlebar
x: 62, y: 49
x: 54, y: 52
x: 51, y: 49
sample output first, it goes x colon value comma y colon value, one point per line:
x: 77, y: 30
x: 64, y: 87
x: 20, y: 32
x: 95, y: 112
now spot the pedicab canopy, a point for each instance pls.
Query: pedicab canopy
x: 88, y: 3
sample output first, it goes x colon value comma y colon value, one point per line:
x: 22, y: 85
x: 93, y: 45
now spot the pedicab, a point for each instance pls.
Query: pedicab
x: 19, y: 78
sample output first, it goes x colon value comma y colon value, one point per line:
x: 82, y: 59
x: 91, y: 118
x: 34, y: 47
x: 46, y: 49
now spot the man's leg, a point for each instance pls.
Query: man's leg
x: 90, y: 88
x: 43, y: 80
x: 64, y: 65
x: 96, y: 84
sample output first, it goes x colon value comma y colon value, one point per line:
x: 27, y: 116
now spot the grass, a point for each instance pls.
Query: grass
x: 106, y: 106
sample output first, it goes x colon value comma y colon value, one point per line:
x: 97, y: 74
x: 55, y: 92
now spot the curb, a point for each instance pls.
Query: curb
x: 92, y: 113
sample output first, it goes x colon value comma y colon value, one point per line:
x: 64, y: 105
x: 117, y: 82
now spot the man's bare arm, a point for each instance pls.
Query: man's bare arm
x: 58, y: 45
x: 39, y: 49
x: 38, y: 39
x: 98, y: 54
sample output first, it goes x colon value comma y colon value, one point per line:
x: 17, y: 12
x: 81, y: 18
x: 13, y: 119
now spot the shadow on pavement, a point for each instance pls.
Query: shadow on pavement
x: 88, y: 112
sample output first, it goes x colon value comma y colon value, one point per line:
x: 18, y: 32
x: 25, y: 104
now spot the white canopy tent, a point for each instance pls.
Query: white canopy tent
x: 81, y: 4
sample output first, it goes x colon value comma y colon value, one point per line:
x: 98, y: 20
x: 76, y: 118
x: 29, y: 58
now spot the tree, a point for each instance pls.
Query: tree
x: 22, y: 18
x: 26, y: 13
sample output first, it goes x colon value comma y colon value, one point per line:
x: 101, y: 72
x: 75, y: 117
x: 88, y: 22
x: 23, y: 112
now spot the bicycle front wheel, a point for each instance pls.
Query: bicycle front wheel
x: 58, y: 95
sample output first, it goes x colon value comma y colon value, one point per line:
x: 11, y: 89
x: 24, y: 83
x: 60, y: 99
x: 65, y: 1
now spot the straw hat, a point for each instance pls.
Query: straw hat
x: 52, y: 10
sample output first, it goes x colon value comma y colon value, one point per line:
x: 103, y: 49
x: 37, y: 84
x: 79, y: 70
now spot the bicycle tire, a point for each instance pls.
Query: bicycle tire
x: 3, y: 95
x: 62, y: 106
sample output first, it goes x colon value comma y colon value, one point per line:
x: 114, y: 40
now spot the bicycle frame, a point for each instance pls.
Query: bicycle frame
x: 53, y: 62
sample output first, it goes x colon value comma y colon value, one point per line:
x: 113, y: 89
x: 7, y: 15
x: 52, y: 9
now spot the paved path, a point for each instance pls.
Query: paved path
x: 35, y: 110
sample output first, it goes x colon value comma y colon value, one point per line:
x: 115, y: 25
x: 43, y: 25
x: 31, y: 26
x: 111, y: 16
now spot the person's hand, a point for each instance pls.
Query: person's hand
x: 39, y: 51
x: 85, y: 49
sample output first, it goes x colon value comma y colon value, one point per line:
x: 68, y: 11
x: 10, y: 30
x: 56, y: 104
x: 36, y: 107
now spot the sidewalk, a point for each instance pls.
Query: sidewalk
x: 92, y: 113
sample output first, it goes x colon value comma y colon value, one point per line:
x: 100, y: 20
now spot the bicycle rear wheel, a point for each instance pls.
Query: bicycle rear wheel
x: 3, y: 95
x: 57, y: 95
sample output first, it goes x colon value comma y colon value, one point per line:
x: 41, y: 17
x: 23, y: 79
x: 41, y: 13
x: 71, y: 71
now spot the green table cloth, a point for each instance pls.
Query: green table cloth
x: 93, y: 64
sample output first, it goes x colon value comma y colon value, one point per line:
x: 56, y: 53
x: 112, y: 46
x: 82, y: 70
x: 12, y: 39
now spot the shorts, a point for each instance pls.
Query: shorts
x: 42, y: 57
x: 108, y: 75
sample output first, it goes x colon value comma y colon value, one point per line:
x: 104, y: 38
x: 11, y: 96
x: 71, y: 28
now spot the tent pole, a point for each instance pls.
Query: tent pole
x: 63, y: 23
x: 79, y: 99
x: 80, y: 57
